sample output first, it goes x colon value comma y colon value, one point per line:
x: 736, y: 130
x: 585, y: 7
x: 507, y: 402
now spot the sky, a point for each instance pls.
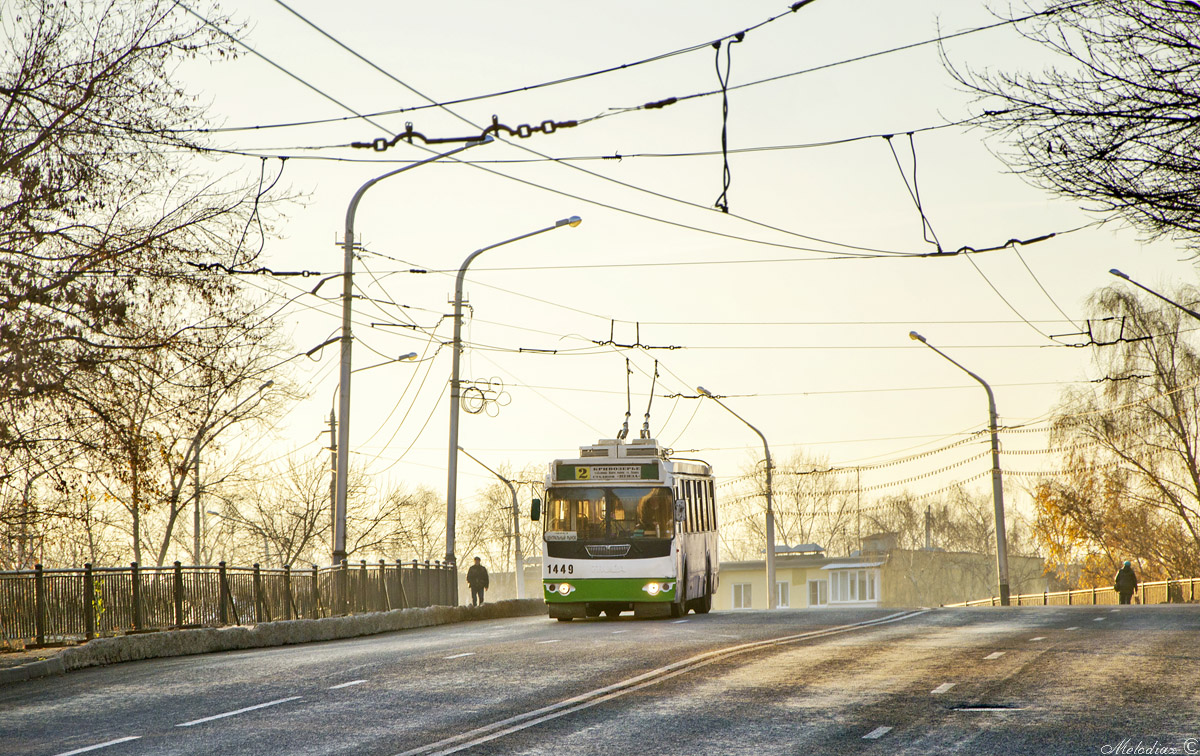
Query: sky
x: 796, y: 305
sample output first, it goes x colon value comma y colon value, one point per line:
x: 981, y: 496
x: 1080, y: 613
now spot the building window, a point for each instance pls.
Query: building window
x: 741, y: 596
x: 818, y: 592
x: 852, y: 585
x: 783, y: 594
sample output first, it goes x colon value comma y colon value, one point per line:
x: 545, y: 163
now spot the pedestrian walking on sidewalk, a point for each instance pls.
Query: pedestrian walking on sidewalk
x: 477, y: 579
x: 1125, y: 583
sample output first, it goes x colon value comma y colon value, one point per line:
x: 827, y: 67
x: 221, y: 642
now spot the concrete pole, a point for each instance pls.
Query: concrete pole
x: 456, y: 386
x: 518, y: 558
x: 997, y: 483
x: 770, y: 560
x: 343, y: 441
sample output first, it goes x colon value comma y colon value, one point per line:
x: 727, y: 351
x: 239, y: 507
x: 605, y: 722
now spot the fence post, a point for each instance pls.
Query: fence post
x: 1046, y: 597
x: 257, y: 594
x: 316, y: 589
x: 343, y: 579
x: 1143, y: 589
x: 400, y: 585
x: 89, y: 602
x: 1192, y: 589
x: 39, y: 605
x: 135, y: 581
x: 178, y: 594
x: 1093, y: 595
x: 222, y: 595
x: 385, y: 601
x: 364, y: 589
x: 287, y: 591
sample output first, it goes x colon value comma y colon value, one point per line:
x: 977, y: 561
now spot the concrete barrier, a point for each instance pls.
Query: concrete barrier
x: 125, y: 648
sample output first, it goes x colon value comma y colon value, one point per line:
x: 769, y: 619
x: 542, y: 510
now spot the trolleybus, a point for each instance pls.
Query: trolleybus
x: 629, y: 528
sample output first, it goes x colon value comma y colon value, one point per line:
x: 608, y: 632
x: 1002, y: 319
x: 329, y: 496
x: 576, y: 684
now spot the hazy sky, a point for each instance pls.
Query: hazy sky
x: 808, y: 338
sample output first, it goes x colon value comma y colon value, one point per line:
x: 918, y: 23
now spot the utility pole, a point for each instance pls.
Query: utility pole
x: 333, y: 474
x: 343, y: 444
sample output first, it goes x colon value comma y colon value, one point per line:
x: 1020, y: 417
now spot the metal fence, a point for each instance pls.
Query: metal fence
x: 1157, y: 592
x: 48, y: 606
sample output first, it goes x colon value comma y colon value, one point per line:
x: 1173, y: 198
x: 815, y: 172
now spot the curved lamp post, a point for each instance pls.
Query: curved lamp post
x: 997, y: 487
x: 1119, y: 274
x: 771, y: 603
x: 455, y: 386
x: 518, y: 558
x: 341, y: 472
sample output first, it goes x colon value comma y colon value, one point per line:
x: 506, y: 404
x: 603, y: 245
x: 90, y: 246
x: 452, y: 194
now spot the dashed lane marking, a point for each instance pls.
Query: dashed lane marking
x: 1040, y: 637
x: 459, y: 656
x: 85, y: 749
x: 995, y: 655
x: 239, y: 711
x: 678, y: 622
x: 552, y: 640
x: 347, y: 684
x: 1073, y: 628
x: 877, y: 733
x: 618, y: 632
x: 1099, y: 619
x: 942, y: 688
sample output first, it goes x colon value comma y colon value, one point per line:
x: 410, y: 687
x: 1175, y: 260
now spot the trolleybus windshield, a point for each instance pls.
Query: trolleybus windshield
x: 602, y: 513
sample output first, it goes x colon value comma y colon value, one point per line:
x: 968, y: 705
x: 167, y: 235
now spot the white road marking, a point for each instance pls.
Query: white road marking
x: 459, y: 656
x: 942, y: 688
x: 723, y: 635
x: 877, y: 733
x: 677, y: 622
x: 1073, y: 628
x: 1040, y: 637
x: 239, y: 711
x: 1110, y: 611
x: 995, y: 655
x: 1098, y: 619
x: 554, y: 640
x: 99, y: 745
x: 618, y: 632
x: 347, y: 684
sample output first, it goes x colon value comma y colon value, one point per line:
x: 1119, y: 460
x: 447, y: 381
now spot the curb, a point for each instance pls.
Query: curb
x: 123, y: 648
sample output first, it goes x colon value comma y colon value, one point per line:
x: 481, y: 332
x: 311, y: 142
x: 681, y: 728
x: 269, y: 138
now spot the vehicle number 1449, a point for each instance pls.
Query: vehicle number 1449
x: 561, y: 569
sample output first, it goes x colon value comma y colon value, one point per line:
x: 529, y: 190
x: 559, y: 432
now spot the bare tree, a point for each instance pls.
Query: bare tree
x: 1115, y: 121
x: 1133, y: 488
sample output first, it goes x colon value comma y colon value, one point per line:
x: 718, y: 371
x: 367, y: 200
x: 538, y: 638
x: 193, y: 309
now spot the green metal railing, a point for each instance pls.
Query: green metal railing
x: 48, y: 606
x: 1156, y: 592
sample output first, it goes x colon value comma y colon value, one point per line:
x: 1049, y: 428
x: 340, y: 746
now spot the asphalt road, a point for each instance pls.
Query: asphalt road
x: 1032, y: 680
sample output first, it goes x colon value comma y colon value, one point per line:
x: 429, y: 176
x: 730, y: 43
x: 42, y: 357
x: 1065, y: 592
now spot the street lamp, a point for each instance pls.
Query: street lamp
x: 771, y: 603
x: 452, y: 460
x: 997, y: 487
x: 1119, y: 274
x: 343, y: 440
x: 518, y: 559
x: 200, y: 442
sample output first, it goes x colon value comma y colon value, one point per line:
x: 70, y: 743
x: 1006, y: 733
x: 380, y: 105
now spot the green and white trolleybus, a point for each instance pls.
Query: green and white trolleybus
x: 629, y: 528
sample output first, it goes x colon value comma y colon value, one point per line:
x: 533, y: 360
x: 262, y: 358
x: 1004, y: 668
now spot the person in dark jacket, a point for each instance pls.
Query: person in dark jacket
x: 1125, y: 583
x: 477, y: 578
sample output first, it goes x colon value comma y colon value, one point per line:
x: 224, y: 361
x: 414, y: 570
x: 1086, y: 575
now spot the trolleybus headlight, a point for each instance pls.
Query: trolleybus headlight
x: 564, y: 589
x: 656, y: 588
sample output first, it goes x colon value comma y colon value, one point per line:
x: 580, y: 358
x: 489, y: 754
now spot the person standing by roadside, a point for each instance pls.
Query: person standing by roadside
x: 1125, y: 583
x: 477, y: 578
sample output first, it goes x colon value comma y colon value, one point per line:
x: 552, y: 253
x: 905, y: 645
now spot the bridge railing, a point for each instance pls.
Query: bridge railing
x: 1154, y: 592
x: 49, y: 606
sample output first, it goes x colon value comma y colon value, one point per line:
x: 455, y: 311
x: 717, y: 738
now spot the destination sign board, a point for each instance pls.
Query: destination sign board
x: 606, y: 473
